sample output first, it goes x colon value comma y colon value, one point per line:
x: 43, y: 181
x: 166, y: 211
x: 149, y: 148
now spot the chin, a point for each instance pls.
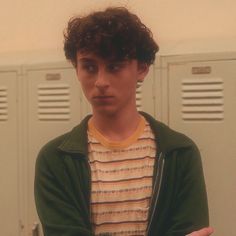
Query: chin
x: 106, y: 111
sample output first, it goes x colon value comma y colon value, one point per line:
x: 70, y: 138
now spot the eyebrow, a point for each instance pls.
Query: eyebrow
x: 91, y: 60
x: 86, y: 60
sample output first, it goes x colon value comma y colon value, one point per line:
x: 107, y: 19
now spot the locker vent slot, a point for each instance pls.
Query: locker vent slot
x: 139, y: 96
x: 53, y: 102
x: 3, y: 104
x: 202, y: 99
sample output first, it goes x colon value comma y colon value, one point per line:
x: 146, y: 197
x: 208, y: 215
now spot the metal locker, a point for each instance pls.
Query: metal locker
x: 157, y: 90
x: 201, y: 103
x: 54, y: 106
x: 54, y: 103
x: 145, y: 99
x: 9, y: 152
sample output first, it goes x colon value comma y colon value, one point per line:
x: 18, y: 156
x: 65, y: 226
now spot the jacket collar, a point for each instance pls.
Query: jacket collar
x: 76, y: 141
x: 167, y: 139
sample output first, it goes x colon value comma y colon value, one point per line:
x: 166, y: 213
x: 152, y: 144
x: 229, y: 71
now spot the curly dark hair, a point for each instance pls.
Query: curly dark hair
x: 114, y: 33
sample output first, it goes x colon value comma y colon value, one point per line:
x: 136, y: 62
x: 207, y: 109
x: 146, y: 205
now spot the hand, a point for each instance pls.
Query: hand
x: 202, y: 232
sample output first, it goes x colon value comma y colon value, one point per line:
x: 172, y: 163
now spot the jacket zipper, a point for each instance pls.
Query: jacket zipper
x: 157, y: 184
x: 90, y: 189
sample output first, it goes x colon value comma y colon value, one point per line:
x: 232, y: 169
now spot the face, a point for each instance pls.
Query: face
x: 109, y: 86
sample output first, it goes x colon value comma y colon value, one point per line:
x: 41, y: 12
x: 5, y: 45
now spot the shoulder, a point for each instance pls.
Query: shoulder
x: 52, y: 145
x: 49, y: 154
x: 168, y: 139
x: 73, y: 141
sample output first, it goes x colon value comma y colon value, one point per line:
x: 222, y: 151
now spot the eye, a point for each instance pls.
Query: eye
x: 115, y: 67
x: 90, y: 68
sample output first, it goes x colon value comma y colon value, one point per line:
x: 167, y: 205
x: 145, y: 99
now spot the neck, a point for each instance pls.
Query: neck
x: 116, y: 127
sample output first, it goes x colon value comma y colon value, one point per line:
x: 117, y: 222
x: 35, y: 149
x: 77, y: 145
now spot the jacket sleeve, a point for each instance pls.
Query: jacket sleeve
x: 190, y: 208
x: 56, y: 206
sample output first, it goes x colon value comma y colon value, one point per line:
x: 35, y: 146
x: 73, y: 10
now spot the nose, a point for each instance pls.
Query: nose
x: 102, y: 81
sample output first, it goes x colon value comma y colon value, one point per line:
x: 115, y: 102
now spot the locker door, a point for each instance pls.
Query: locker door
x: 54, y: 107
x: 202, y: 102
x: 145, y: 98
x: 9, y: 201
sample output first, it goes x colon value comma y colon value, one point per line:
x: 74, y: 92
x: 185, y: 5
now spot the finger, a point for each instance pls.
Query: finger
x: 202, y: 232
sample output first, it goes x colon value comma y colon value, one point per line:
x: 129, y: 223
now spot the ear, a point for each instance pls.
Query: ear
x: 143, y: 69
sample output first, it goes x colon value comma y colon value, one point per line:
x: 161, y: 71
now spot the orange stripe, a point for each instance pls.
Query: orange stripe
x: 123, y: 201
x: 134, y: 159
x: 117, y: 144
x: 121, y: 222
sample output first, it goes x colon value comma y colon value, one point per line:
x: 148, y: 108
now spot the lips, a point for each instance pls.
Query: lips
x: 102, y: 95
x: 103, y: 98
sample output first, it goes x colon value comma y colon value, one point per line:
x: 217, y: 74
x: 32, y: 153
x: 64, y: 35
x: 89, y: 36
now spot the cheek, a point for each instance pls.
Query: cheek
x: 86, y: 86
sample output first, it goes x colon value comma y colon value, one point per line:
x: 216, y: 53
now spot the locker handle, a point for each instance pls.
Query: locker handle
x: 35, y: 229
x: 53, y: 76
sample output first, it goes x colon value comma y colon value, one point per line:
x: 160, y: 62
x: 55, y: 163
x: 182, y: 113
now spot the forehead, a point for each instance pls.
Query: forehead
x: 87, y: 56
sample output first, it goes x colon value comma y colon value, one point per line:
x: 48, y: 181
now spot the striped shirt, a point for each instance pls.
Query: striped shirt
x: 121, y: 181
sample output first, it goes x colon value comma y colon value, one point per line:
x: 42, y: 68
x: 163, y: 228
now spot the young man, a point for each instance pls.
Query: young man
x: 119, y: 172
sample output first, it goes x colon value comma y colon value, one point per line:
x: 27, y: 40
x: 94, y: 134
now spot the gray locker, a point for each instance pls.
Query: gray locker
x: 145, y: 93
x: 37, y: 103
x: 9, y: 152
x: 201, y: 102
x: 54, y: 105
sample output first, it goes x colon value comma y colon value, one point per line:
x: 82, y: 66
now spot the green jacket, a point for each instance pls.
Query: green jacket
x: 63, y: 184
